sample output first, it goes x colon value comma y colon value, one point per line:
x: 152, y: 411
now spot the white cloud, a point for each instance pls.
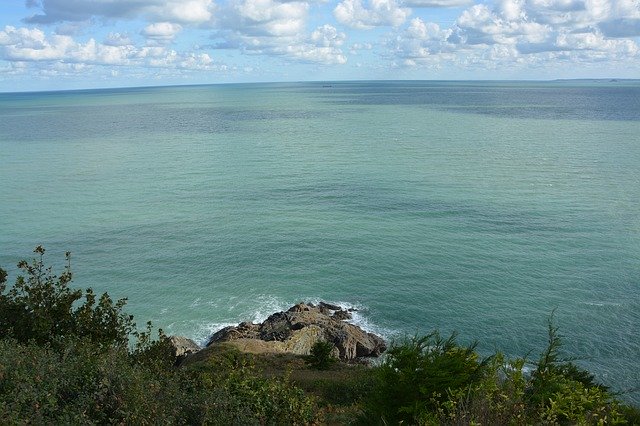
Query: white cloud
x: 423, y: 43
x: 437, y: 3
x: 161, y: 32
x: 488, y: 34
x: 322, y: 47
x: 274, y: 28
x: 192, y: 11
x: 375, y: 14
x: 55, y: 52
x: 13, y: 68
x: 511, y: 10
x: 523, y: 33
x: 552, y: 25
x: 480, y: 25
x: 262, y: 26
x: 266, y: 18
x: 25, y: 44
x: 316, y: 54
x: 117, y: 39
x: 186, y: 12
x: 596, y: 42
x: 194, y: 61
x: 327, y: 36
x: 420, y: 30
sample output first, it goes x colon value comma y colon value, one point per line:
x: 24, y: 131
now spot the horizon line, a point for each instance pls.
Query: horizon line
x: 156, y: 86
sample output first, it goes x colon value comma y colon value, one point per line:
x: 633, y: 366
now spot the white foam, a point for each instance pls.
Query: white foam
x: 267, y: 305
x: 204, y: 331
x: 600, y: 304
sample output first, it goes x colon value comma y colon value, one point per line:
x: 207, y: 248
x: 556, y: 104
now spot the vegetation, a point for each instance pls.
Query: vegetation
x: 321, y: 356
x: 70, y: 357
x: 419, y: 376
x: 431, y: 380
x: 67, y: 359
x: 43, y: 309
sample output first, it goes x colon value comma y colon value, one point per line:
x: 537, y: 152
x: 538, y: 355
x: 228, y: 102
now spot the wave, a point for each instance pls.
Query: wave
x: 601, y: 304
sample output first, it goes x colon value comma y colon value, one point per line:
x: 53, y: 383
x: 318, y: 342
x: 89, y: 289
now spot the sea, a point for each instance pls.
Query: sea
x: 481, y: 208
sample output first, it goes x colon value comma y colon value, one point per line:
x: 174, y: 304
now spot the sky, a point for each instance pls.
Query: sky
x: 75, y: 44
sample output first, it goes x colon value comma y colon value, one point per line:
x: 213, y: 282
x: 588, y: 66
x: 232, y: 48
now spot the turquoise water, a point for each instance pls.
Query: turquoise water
x: 476, y: 207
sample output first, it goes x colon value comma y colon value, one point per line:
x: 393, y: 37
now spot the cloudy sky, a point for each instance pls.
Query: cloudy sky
x: 60, y: 44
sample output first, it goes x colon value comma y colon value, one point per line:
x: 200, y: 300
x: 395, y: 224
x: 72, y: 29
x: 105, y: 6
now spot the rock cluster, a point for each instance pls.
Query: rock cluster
x: 181, y: 347
x: 299, y: 328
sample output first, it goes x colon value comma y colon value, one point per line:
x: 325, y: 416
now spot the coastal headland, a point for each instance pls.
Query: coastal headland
x: 294, y: 331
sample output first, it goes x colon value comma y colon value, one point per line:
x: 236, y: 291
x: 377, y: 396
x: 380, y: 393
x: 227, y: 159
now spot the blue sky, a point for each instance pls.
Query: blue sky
x: 65, y: 44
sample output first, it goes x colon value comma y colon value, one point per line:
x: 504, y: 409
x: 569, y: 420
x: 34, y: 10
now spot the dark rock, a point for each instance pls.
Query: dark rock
x: 301, y: 326
x: 330, y: 306
x: 221, y: 335
x: 341, y: 315
x: 244, y: 330
x: 300, y: 307
x: 276, y: 327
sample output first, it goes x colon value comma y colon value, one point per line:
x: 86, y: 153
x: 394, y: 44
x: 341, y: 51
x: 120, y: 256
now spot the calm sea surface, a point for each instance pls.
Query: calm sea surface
x: 476, y: 207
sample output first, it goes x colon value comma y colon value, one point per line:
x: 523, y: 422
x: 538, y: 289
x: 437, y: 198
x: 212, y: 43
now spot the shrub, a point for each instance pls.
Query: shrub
x: 321, y: 355
x: 78, y: 383
x: 41, y: 307
x: 418, y: 376
x: 495, y: 399
x: 228, y: 389
x: 269, y: 401
x: 561, y: 392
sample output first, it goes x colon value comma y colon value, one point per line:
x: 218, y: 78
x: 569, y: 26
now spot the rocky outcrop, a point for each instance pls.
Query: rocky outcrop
x: 181, y: 347
x: 299, y: 328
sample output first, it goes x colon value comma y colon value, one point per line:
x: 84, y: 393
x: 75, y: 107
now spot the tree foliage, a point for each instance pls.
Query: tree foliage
x: 42, y: 307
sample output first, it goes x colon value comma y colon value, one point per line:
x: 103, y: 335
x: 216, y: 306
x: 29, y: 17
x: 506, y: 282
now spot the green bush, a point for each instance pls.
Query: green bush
x: 321, y: 355
x: 79, y: 383
x: 270, y: 401
x: 497, y: 398
x: 345, y: 389
x: 41, y: 307
x: 418, y: 376
x: 226, y: 388
x: 76, y: 383
x: 561, y: 392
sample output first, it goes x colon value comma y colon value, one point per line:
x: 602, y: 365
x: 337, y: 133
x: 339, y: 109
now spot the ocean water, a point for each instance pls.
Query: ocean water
x: 479, y: 207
